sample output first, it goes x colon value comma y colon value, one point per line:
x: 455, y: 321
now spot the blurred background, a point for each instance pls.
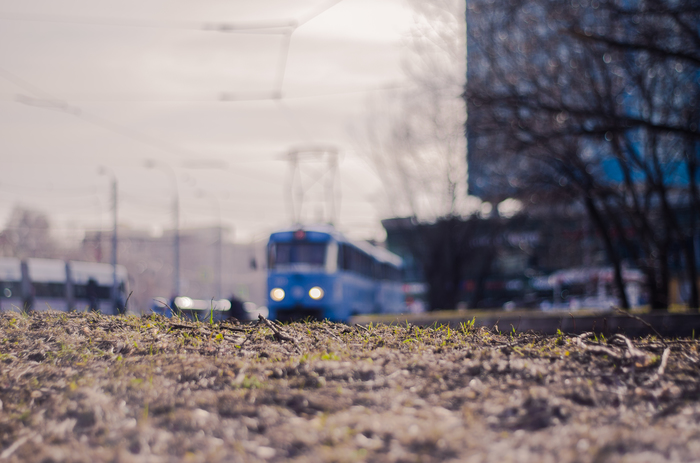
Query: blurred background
x: 218, y: 122
x: 515, y: 153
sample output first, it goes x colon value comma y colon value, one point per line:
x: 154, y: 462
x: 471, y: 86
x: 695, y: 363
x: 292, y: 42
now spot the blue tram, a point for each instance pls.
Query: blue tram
x: 316, y: 272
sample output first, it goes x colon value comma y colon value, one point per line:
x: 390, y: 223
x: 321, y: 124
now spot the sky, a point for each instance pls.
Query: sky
x: 213, y: 95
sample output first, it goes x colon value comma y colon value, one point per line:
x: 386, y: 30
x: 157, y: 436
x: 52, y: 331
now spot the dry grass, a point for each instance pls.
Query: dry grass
x: 86, y: 387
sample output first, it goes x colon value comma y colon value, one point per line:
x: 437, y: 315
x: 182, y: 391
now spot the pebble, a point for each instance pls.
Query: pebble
x: 265, y: 452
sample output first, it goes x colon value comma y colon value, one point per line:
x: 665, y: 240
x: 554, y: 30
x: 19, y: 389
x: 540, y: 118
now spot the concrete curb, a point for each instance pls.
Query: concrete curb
x: 607, y: 323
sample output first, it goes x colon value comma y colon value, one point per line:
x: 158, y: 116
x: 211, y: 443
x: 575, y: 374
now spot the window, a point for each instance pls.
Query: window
x: 346, y: 254
x: 354, y: 260
x: 298, y: 253
x: 102, y: 292
x: 384, y: 271
x: 53, y: 290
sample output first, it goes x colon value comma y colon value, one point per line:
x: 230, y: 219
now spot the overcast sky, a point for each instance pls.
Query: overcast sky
x: 114, y: 83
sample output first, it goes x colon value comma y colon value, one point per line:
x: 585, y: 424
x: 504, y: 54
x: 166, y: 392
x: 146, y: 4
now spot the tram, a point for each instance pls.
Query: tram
x: 53, y: 284
x: 317, y: 272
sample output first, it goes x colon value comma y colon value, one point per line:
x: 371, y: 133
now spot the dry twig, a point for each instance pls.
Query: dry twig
x: 279, y: 335
x: 230, y: 328
x: 7, y: 453
x: 664, y: 362
x: 641, y: 320
x: 662, y: 368
x: 331, y: 334
x: 598, y: 349
x: 633, y: 352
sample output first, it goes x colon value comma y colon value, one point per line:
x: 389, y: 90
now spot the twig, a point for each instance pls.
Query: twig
x: 250, y: 335
x: 230, y: 328
x: 598, y: 349
x: 641, y: 320
x: 662, y: 368
x: 164, y: 304
x: 279, y: 335
x: 177, y: 326
x: 633, y: 351
x: 126, y: 303
x: 362, y: 328
x: 331, y: 334
x: 574, y: 320
x: 503, y: 346
x: 664, y: 362
x: 7, y: 453
x: 603, y: 350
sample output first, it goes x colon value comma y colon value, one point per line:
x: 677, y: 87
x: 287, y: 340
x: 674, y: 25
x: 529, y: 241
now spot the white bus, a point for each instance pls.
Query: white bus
x: 52, y: 284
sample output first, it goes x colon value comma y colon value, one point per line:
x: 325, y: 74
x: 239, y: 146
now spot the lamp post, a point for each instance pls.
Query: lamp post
x: 152, y: 164
x: 217, y: 252
x: 115, y: 285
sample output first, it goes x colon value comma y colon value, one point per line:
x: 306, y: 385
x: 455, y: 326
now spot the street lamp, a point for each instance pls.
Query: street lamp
x: 103, y: 170
x: 152, y: 164
x: 217, y: 252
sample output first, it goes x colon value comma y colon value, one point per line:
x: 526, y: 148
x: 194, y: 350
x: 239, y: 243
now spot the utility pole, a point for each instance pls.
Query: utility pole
x: 218, y: 245
x: 176, y: 239
x: 115, y: 283
x: 310, y: 166
x: 151, y: 164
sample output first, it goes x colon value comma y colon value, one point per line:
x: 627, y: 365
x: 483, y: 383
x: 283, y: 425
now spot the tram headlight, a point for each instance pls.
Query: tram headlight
x: 277, y: 294
x: 316, y: 293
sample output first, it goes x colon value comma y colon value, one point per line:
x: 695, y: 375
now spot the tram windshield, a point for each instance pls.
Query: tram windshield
x: 298, y: 253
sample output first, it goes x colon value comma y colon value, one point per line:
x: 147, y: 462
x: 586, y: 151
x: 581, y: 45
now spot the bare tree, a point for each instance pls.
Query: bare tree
x: 415, y: 140
x: 415, y: 136
x: 597, y: 100
x: 27, y: 233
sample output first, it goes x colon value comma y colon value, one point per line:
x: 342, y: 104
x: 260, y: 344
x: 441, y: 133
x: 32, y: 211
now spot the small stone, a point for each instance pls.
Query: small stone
x: 476, y: 384
x: 265, y: 452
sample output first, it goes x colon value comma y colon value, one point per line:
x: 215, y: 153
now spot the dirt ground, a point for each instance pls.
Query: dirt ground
x: 87, y: 387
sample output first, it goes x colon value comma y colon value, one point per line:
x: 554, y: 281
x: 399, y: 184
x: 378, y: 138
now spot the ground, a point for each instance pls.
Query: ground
x: 88, y: 387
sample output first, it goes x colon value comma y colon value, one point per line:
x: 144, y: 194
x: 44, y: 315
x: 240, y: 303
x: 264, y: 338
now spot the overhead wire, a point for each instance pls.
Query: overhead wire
x: 284, y: 28
x: 281, y: 27
x: 320, y: 8
x: 221, y: 97
x: 282, y: 65
x: 49, y: 101
x: 250, y: 27
x: 53, y: 191
x: 46, y: 100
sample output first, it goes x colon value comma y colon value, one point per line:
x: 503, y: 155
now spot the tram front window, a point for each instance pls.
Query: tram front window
x: 312, y: 254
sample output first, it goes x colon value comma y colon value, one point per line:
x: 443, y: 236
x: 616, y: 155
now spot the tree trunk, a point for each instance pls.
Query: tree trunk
x: 665, y: 277
x: 694, y: 302
x: 481, y: 280
x: 689, y: 247
x: 610, y: 250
